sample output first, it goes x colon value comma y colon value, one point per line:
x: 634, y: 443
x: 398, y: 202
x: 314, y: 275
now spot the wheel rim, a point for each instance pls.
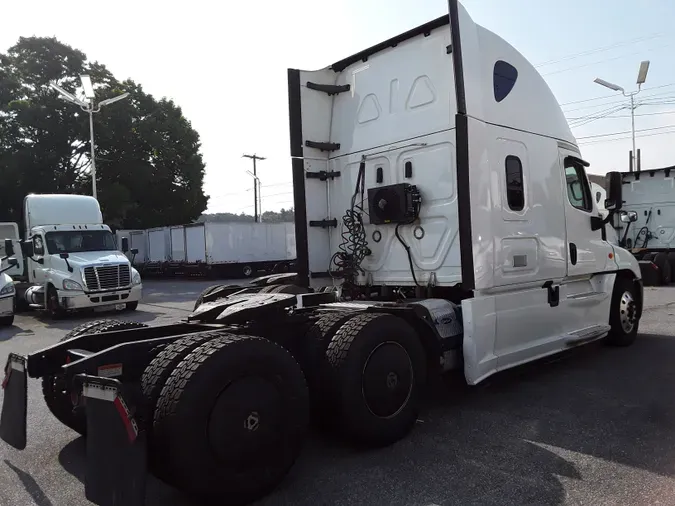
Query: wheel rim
x: 627, y: 312
x: 246, y: 422
x: 387, y: 380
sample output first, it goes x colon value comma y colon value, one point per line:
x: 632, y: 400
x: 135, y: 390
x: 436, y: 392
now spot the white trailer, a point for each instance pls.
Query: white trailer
x: 239, y: 249
x: 159, y: 250
x: 444, y: 220
x: 138, y: 240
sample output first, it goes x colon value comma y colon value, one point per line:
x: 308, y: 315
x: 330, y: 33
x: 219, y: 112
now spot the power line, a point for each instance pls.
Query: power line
x: 604, y: 61
x: 612, y: 96
x: 628, y: 115
x: 599, y: 50
x: 625, y: 132
x: 625, y: 138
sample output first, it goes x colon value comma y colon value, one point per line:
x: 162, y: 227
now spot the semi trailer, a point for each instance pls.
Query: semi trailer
x: 68, y: 259
x: 444, y: 220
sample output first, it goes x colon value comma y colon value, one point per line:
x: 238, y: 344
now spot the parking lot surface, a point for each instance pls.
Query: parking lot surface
x: 595, y: 426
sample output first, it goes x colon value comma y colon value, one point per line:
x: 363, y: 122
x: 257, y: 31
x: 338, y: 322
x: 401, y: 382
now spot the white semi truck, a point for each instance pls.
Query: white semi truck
x: 71, y: 259
x: 649, y: 198
x: 444, y: 220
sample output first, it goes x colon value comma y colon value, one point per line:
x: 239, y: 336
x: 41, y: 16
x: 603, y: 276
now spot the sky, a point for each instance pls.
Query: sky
x: 226, y: 68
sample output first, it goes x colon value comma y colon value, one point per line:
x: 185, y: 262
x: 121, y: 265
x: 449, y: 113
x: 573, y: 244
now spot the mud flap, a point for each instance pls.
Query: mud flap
x: 14, y: 406
x: 116, y: 448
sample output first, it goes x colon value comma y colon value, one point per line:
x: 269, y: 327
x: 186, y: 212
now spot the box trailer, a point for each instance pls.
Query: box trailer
x: 138, y: 240
x: 239, y: 249
x: 159, y: 250
x: 444, y: 220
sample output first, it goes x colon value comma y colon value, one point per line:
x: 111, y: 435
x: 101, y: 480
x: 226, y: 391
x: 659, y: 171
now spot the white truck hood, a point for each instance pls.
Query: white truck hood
x: 86, y: 258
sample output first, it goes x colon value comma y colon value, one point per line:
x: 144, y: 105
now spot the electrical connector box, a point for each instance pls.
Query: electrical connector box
x: 396, y: 203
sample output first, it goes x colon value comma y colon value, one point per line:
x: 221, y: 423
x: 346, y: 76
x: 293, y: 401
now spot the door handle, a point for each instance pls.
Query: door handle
x: 573, y: 253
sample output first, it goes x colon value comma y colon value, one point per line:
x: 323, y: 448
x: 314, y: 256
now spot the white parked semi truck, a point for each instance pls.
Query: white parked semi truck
x: 649, y: 200
x: 8, y: 265
x: 443, y: 220
x: 71, y: 259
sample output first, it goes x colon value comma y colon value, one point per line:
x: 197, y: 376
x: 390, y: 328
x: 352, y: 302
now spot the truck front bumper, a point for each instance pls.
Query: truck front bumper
x: 87, y: 300
x: 7, y: 306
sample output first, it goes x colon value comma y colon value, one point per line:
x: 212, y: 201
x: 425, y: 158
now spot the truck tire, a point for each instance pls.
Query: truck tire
x: 6, y: 321
x: 377, y: 366
x: 231, y: 418
x: 200, y: 299
x: 671, y: 261
x: 59, y: 400
x: 623, y: 313
x: 160, y: 368
x: 294, y: 289
x: 132, y: 306
x: 312, y: 359
x: 661, y: 260
x: 52, y: 304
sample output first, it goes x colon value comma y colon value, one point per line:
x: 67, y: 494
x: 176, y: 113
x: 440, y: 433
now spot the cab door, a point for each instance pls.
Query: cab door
x: 588, y: 251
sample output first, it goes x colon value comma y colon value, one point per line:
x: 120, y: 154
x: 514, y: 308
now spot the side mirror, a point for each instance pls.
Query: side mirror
x: 614, y: 183
x: 64, y: 255
x: 134, y: 251
x: 596, y: 223
x: 27, y: 248
x: 125, y: 244
x: 9, y: 248
x: 629, y: 217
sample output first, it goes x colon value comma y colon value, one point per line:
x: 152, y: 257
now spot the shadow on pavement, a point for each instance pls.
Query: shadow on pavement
x: 8, y: 333
x: 31, y: 486
x: 511, y: 441
x: 72, y: 458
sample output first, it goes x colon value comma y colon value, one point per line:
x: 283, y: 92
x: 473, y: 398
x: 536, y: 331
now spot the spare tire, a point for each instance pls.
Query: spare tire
x: 56, y: 392
x: 233, y: 416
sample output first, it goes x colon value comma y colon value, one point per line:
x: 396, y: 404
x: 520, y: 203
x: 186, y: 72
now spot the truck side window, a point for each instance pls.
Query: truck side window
x: 577, y: 188
x: 515, y: 194
x: 38, y: 246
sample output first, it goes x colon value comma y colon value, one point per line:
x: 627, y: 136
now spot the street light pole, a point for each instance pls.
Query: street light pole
x: 87, y: 105
x: 93, y: 154
x: 642, y: 77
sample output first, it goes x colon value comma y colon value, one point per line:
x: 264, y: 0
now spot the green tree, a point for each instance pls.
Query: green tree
x: 148, y: 163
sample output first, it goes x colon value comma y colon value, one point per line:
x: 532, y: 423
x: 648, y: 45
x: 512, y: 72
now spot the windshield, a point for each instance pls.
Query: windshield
x: 76, y: 241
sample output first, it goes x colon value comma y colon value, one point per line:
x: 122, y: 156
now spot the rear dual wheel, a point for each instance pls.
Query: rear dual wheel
x: 57, y: 391
x: 376, y: 365
x: 231, y: 418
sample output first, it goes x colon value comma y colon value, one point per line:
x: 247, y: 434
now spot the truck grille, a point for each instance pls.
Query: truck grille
x: 107, y: 277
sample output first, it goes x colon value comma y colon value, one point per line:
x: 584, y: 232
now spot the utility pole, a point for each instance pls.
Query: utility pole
x: 256, y: 183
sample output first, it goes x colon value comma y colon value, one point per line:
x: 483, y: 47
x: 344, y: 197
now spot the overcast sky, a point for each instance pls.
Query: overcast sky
x: 226, y: 67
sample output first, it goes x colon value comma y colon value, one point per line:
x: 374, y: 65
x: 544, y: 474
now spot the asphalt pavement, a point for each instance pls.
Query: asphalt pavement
x: 595, y: 426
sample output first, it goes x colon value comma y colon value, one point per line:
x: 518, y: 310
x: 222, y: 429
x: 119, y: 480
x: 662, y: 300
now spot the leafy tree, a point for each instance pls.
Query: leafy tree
x: 284, y: 215
x: 149, y: 169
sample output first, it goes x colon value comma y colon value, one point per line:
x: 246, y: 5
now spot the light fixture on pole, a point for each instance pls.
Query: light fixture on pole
x: 89, y: 107
x: 641, y: 79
